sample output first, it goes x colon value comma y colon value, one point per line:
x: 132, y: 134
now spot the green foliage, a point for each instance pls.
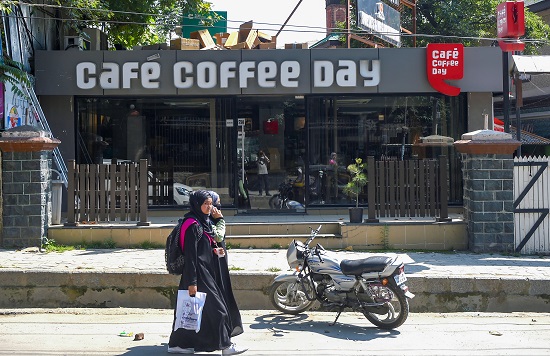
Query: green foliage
x: 49, y: 245
x: 447, y: 18
x: 12, y: 72
x: 148, y: 245
x: 470, y: 22
x: 130, y: 22
x: 358, y: 180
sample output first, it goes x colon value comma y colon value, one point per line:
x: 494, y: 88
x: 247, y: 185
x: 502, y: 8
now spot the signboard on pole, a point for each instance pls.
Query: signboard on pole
x: 511, y: 25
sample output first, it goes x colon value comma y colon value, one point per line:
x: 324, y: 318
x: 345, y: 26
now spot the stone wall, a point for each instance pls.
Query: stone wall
x: 26, y: 198
x: 488, y: 202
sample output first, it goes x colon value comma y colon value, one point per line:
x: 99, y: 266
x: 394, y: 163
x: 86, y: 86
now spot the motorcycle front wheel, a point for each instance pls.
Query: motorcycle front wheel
x: 290, y: 298
x: 394, y: 310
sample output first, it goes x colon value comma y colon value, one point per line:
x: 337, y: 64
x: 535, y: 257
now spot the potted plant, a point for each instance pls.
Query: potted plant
x: 355, y: 187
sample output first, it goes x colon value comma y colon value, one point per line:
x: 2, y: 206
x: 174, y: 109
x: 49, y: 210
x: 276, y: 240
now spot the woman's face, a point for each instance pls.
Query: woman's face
x: 206, y: 207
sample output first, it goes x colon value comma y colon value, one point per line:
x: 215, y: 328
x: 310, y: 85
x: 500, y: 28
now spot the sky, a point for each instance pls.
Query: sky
x: 307, y: 24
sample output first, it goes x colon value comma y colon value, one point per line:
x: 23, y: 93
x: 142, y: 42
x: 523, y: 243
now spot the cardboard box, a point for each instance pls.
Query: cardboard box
x: 232, y: 40
x: 184, y: 44
x: 264, y: 37
x: 204, y: 37
x: 240, y: 45
x: 296, y: 46
x: 269, y: 45
x: 244, y: 30
x: 252, y: 39
x: 221, y: 38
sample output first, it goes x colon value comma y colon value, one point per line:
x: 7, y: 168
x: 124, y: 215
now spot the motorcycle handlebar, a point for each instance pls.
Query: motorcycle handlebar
x: 313, y: 235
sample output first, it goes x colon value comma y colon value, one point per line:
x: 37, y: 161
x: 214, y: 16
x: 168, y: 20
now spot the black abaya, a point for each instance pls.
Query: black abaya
x: 220, y: 318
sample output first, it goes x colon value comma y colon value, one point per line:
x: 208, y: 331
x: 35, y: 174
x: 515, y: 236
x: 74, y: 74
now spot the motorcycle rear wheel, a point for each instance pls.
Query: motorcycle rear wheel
x: 290, y: 298
x: 397, y: 307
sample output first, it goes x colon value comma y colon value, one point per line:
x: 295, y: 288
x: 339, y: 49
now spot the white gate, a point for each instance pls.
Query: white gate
x: 531, y: 205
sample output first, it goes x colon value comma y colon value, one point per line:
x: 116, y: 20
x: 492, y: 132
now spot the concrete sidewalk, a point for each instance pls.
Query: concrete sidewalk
x: 443, y: 282
x: 268, y: 261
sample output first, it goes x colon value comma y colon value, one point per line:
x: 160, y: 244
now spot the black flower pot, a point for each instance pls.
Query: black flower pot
x: 356, y: 215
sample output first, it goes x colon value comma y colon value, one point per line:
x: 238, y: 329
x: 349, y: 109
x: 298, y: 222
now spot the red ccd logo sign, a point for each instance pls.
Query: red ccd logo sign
x: 445, y: 61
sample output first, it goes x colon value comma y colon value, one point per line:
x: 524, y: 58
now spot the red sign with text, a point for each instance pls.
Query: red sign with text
x: 510, y: 19
x: 445, y: 61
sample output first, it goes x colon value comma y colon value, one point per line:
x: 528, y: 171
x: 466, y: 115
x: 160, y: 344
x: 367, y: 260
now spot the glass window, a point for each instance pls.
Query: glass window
x: 385, y: 127
x: 182, y: 139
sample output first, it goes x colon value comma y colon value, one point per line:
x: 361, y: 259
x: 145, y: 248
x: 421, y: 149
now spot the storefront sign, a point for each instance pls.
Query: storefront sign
x: 261, y: 72
x: 212, y: 75
x: 510, y: 19
x: 445, y: 61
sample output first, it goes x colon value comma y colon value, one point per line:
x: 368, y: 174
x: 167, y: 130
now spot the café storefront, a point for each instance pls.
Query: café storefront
x: 206, y: 114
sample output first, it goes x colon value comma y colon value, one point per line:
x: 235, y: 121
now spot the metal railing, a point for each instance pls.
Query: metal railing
x: 43, y: 123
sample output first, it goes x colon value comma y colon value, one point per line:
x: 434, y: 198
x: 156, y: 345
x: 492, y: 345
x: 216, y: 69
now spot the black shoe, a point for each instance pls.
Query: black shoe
x: 267, y: 194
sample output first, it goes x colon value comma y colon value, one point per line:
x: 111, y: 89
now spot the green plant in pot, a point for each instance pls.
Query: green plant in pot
x: 355, y: 187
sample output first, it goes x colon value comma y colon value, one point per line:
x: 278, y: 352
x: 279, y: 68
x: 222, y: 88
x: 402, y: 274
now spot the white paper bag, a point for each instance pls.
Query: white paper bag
x: 189, y: 310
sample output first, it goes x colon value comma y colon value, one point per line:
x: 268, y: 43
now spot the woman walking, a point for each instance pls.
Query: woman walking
x: 204, y: 272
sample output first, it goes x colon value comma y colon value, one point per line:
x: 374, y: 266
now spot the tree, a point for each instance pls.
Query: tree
x: 466, y: 21
x: 132, y: 22
x: 470, y: 22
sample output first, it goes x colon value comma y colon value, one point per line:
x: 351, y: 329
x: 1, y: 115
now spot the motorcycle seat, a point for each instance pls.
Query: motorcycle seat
x: 364, y: 265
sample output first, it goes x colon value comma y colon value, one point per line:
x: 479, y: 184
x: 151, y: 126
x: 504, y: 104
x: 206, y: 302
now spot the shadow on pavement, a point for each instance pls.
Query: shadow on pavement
x: 281, y: 324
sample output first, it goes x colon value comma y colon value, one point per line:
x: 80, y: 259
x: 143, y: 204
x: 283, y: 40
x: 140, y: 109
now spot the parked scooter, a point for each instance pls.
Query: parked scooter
x: 374, y: 286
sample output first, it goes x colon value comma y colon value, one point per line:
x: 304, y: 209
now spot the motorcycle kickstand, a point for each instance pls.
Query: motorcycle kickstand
x: 337, y: 316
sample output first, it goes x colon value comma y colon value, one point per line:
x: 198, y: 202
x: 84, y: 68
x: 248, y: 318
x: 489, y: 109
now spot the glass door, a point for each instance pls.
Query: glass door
x: 271, y: 146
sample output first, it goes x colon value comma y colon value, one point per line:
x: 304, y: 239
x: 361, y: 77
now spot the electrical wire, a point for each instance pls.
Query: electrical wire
x: 292, y: 28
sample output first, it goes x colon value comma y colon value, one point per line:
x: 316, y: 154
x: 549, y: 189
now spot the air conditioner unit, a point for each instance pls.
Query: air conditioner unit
x: 97, y: 38
x: 76, y: 43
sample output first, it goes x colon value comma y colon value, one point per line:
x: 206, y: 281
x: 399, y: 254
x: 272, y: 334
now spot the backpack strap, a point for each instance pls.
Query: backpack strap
x: 188, y: 222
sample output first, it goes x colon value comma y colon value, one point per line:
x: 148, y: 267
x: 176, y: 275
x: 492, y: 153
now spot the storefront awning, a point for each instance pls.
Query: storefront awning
x: 532, y: 64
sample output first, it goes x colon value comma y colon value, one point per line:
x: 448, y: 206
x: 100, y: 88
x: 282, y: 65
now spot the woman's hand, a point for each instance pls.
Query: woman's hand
x: 192, y: 290
x: 216, y: 213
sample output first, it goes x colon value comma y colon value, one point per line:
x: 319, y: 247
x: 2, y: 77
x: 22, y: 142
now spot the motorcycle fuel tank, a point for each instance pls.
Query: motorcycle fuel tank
x: 330, y: 265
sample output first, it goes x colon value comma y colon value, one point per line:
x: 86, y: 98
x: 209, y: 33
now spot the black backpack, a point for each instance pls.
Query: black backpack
x: 173, y: 254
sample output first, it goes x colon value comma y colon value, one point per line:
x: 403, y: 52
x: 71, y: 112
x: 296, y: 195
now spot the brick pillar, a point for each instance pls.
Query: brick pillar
x: 488, y: 174
x: 335, y: 12
x: 26, y: 186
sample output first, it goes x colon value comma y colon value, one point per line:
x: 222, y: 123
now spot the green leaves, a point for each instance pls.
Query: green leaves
x: 358, y: 179
x: 130, y: 22
x: 13, y: 72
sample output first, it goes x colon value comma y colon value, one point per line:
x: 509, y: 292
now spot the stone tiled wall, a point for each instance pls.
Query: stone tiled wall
x: 488, y: 202
x: 26, y: 198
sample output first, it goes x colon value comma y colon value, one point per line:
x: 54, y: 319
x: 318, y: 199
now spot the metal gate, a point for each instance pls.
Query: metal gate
x: 531, y: 205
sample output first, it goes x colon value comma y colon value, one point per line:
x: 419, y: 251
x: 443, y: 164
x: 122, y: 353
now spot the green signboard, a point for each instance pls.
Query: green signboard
x: 192, y: 23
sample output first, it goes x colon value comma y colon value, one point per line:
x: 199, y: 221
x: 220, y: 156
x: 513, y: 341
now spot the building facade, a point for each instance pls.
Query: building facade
x: 205, y: 115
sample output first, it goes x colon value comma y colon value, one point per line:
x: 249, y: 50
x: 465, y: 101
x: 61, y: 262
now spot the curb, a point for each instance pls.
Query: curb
x: 81, y: 289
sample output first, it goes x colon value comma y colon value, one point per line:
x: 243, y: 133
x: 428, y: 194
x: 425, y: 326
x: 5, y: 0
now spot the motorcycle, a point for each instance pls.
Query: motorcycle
x: 283, y: 199
x: 374, y: 286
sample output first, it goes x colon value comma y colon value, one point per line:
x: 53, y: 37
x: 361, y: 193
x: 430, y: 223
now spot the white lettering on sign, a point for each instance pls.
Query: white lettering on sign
x: 211, y: 75
x: 324, y: 73
x: 442, y: 59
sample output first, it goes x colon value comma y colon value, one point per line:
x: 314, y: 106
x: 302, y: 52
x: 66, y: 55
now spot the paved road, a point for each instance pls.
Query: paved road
x: 96, y: 332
